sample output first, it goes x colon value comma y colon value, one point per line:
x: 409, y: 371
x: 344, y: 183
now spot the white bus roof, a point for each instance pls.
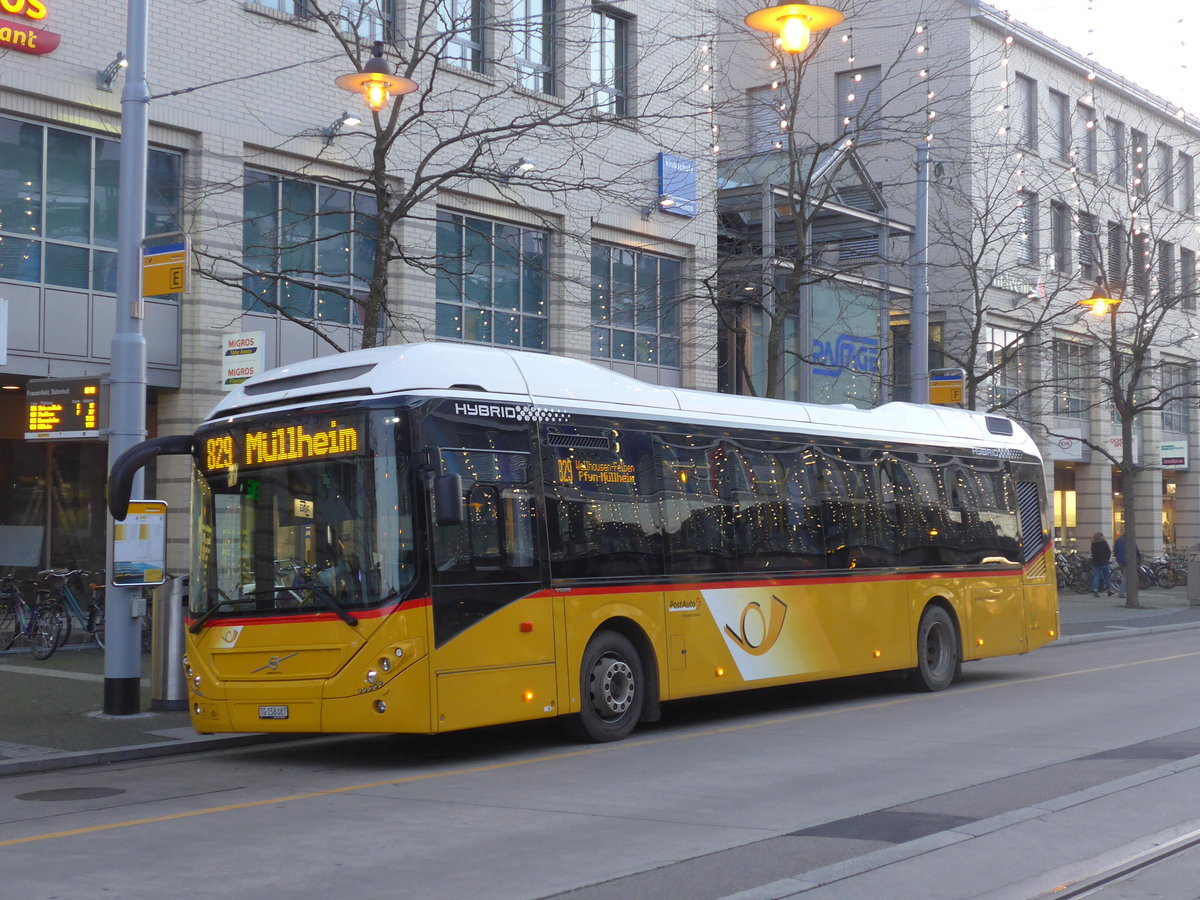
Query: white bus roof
x: 498, y: 375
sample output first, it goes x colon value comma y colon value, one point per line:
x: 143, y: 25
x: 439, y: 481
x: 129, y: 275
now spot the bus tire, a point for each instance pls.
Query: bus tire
x: 938, y: 659
x: 612, y: 684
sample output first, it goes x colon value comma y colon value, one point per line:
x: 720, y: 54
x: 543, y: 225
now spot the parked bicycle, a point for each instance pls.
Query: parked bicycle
x: 58, y: 585
x: 40, y: 623
x: 1171, y: 569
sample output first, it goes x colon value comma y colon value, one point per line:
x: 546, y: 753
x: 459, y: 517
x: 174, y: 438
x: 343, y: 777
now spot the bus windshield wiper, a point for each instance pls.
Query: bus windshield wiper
x: 323, y: 594
x: 195, y: 627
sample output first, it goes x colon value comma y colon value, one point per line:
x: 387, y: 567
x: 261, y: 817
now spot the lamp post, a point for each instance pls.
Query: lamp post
x: 1102, y: 303
x: 795, y: 24
x: 127, y: 393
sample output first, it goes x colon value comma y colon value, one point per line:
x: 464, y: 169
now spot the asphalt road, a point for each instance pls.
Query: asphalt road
x: 1028, y: 766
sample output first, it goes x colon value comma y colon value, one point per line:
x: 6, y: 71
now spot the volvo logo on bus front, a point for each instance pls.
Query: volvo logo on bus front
x: 273, y: 663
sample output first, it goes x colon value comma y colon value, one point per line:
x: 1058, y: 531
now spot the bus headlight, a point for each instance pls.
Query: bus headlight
x: 385, y: 664
x: 372, y: 676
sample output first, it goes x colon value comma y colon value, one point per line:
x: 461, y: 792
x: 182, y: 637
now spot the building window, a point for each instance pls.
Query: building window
x: 1070, y: 365
x: 1187, y: 184
x: 1060, y: 237
x: 58, y: 204
x: 1089, y: 237
x: 462, y: 22
x: 492, y: 282
x: 370, y: 20
x: 1166, y: 273
x: 1116, y: 263
x: 1025, y: 113
x: 1086, y: 144
x: 1165, y: 161
x: 308, y: 248
x: 1177, y: 385
x: 1005, y: 365
x: 765, y: 118
x: 859, y: 106
x: 610, y: 59
x: 1139, y: 162
x: 1139, y: 265
x: 1118, y: 152
x: 1027, y: 228
x: 1187, y: 278
x: 533, y: 38
x: 1060, y: 126
x: 635, y: 306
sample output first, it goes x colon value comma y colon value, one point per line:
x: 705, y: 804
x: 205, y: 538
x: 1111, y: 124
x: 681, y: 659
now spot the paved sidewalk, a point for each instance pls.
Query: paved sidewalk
x: 50, y: 711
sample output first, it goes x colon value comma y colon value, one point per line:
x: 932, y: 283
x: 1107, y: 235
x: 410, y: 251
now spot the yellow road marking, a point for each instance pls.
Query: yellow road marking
x: 554, y: 757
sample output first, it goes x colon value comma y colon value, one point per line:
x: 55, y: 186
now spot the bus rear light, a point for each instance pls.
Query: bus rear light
x: 1053, y: 633
x: 878, y: 654
x: 529, y: 696
x: 720, y: 671
x: 526, y: 627
x: 979, y: 641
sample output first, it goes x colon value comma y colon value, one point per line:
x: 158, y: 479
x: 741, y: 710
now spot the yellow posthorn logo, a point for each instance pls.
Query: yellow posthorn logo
x: 768, y: 630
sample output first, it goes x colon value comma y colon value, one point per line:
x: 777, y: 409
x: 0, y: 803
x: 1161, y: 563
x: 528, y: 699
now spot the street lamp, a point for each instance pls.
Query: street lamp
x: 794, y: 23
x: 377, y: 81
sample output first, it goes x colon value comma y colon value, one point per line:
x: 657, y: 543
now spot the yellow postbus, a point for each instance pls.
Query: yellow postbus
x: 433, y: 537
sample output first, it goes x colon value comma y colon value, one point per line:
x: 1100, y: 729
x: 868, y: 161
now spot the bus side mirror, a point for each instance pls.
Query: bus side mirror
x: 448, y: 500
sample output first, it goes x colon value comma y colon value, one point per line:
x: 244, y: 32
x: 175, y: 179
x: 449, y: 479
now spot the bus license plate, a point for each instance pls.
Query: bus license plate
x: 272, y: 712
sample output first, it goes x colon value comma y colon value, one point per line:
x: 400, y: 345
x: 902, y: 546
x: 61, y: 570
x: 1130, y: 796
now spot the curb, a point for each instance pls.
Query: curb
x: 1123, y: 632
x: 78, y: 758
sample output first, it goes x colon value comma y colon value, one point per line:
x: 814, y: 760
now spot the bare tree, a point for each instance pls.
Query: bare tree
x: 460, y: 131
x: 825, y: 217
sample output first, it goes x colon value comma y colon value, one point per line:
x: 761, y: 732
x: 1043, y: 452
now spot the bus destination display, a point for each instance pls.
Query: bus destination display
x: 64, y: 408
x: 275, y: 443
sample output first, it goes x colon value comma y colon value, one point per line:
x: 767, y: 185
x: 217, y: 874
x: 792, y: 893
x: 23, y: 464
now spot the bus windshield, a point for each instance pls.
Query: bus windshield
x: 301, y: 514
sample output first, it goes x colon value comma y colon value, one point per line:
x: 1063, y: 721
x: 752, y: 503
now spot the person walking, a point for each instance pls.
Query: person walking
x: 1119, y: 553
x: 1101, y: 564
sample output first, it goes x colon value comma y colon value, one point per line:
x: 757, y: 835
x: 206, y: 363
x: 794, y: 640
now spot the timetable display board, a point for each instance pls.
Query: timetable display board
x: 59, y: 408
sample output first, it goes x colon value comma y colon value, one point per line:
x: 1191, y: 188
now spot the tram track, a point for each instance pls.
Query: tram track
x: 1140, y: 862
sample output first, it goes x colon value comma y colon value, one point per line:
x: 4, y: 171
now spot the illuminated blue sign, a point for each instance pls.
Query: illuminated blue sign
x: 677, y: 185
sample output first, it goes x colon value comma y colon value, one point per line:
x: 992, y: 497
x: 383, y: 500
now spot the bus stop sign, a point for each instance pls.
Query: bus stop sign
x: 946, y: 386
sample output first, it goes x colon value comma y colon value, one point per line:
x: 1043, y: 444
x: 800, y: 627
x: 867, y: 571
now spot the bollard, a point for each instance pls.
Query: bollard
x: 1193, y: 582
x: 167, y: 688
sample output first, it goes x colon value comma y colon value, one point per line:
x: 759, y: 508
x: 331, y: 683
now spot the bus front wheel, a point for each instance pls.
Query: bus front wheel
x: 937, y: 650
x: 613, y: 688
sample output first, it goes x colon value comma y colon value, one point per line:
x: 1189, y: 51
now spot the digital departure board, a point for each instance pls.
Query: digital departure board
x: 58, y: 408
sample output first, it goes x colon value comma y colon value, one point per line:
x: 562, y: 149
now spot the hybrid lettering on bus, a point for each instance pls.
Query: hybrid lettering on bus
x: 433, y: 537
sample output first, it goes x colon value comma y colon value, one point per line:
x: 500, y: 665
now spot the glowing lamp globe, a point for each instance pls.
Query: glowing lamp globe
x: 376, y: 82
x: 794, y: 23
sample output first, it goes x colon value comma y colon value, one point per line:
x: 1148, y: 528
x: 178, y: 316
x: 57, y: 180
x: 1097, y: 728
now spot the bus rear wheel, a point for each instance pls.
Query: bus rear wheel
x: 613, y: 688
x: 937, y: 650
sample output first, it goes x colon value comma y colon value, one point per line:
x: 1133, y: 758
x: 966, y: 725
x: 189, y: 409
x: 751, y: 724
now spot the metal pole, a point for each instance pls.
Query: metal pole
x: 919, y: 324
x: 127, y: 413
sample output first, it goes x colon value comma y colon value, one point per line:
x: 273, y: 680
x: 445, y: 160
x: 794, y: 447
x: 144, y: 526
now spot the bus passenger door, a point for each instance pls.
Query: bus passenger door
x: 493, y: 628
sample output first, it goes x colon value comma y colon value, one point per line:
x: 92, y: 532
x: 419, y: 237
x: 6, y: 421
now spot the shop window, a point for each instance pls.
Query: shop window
x: 58, y: 204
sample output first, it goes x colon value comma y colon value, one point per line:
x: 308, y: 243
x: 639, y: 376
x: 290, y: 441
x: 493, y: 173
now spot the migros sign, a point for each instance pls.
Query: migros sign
x: 21, y: 37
